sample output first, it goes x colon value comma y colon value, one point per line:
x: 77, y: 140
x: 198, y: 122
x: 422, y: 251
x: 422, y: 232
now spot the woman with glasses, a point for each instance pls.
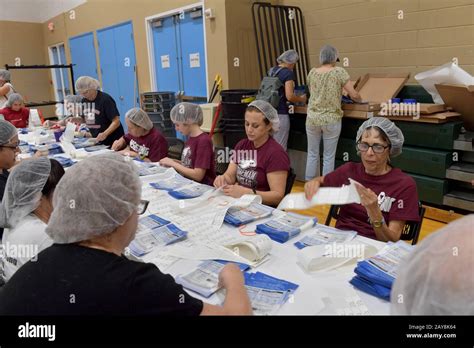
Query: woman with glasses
x: 84, y: 271
x: 388, y: 197
x: 26, y: 209
x: 102, y: 115
x: 8, y: 150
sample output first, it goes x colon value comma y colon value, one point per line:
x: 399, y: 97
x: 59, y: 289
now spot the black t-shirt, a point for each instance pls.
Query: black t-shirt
x: 3, y: 182
x: 69, y: 279
x: 105, y: 112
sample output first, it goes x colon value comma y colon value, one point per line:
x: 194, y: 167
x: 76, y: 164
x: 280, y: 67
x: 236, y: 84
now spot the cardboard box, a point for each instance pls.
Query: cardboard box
x: 426, y: 108
x: 208, y: 112
x: 461, y: 99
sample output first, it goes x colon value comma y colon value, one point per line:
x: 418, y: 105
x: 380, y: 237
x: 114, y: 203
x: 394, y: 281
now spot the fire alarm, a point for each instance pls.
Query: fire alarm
x: 51, y: 26
x: 209, y: 13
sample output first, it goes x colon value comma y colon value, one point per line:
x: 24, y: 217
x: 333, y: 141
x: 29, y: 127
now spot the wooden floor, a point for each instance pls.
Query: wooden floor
x: 428, y: 226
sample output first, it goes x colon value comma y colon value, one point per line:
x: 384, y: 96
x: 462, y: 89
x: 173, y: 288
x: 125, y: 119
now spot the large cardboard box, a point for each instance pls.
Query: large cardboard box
x: 461, y: 99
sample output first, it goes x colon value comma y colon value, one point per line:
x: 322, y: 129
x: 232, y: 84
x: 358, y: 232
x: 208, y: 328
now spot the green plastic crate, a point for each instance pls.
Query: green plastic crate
x: 430, y: 190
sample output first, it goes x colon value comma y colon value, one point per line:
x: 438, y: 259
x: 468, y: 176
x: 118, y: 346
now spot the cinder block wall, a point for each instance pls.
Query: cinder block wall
x: 376, y: 37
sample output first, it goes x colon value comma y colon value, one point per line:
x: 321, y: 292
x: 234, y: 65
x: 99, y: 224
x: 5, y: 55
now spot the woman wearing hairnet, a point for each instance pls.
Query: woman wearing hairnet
x: 259, y: 164
x: 437, y: 277
x: 84, y: 271
x: 8, y: 150
x: 142, y: 140
x: 197, y: 160
x: 388, y: 197
x: 15, y: 112
x: 324, y: 110
x: 285, y: 72
x: 102, y: 112
x: 6, y: 88
x: 26, y: 208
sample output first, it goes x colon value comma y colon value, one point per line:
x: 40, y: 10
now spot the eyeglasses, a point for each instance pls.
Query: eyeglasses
x: 11, y: 146
x: 376, y: 148
x: 142, y: 206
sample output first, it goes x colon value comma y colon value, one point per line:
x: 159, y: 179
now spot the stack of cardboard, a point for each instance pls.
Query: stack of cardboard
x: 461, y: 99
x: 375, y: 89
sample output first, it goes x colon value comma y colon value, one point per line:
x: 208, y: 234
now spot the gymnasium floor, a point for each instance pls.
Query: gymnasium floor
x: 428, y: 226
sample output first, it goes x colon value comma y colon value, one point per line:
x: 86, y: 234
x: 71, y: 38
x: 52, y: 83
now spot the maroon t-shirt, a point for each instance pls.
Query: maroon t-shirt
x: 198, y: 152
x: 253, y: 164
x: 397, y: 196
x: 153, y: 145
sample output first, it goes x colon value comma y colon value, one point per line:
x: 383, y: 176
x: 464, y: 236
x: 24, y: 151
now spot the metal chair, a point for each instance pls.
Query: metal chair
x: 175, y: 148
x: 411, y: 230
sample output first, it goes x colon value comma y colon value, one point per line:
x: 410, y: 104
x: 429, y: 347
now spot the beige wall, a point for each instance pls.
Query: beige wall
x: 25, y: 41
x: 369, y: 33
x: 98, y: 14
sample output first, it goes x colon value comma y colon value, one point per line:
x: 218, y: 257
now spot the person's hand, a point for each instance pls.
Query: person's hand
x: 118, y: 144
x: 310, y: 188
x: 219, y: 181
x: 101, y: 136
x: 231, y: 276
x: 235, y: 190
x: 39, y: 154
x: 167, y: 162
x: 368, y: 198
x: 48, y: 124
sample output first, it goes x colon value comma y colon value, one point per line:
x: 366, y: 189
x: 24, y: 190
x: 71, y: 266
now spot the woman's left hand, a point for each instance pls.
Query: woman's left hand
x: 235, y: 190
x: 167, y: 162
x: 368, y: 198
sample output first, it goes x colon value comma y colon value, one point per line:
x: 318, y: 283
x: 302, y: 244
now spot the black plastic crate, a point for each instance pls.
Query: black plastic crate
x: 158, y: 97
x: 159, y: 116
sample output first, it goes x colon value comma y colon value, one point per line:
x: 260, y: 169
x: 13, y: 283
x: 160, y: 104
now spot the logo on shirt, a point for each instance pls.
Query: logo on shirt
x: 247, y: 172
x: 385, y: 202
x: 142, y: 150
x: 186, y: 157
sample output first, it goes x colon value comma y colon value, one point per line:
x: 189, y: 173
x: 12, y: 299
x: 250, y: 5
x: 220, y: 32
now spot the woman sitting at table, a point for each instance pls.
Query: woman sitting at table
x: 142, y: 140
x: 388, y: 197
x: 26, y: 208
x: 84, y: 271
x: 197, y: 159
x: 15, y: 112
x: 259, y: 165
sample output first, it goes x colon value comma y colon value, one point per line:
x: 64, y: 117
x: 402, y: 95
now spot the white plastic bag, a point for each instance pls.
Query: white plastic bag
x: 449, y: 73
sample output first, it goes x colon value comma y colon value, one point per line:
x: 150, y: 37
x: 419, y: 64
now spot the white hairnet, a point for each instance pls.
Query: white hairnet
x: 269, y: 112
x: 188, y: 113
x: 85, y: 83
x: 140, y: 118
x: 290, y: 57
x: 23, y: 190
x: 5, y: 75
x: 393, y: 133
x: 7, y: 131
x: 93, y: 198
x: 13, y: 98
x: 438, y: 277
x: 328, y: 54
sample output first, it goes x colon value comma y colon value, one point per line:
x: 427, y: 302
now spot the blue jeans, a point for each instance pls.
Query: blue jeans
x: 330, y: 134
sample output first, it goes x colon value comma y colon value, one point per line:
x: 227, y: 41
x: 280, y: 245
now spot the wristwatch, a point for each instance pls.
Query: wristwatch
x: 377, y: 223
x: 254, y: 190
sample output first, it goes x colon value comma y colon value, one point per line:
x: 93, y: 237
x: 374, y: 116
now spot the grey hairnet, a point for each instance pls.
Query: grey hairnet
x: 5, y: 75
x: 7, y: 131
x: 85, y: 83
x: 290, y: 57
x: 393, y: 133
x: 269, y: 112
x: 93, y: 198
x: 140, y: 118
x: 188, y: 113
x: 23, y: 190
x: 328, y: 54
x: 438, y: 277
x: 73, y: 99
x: 13, y: 98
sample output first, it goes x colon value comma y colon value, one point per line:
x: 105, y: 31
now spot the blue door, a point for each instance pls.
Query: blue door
x: 193, y: 55
x: 83, y: 55
x: 118, y: 64
x: 167, y: 65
